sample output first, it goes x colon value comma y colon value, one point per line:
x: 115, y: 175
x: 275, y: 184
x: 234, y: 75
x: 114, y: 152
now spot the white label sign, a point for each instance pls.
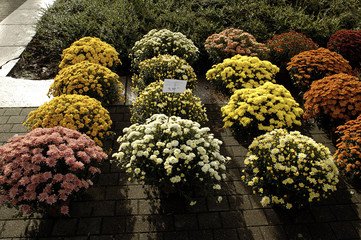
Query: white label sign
x: 174, y: 86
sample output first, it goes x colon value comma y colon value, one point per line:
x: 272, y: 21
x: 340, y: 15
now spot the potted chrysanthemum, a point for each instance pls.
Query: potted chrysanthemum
x: 254, y: 111
x: 46, y: 168
x: 91, y: 79
x: 234, y: 41
x: 90, y: 49
x: 241, y: 72
x: 174, y: 155
x: 153, y: 100
x: 163, y: 67
x: 289, y: 169
x: 163, y: 41
x: 77, y: 112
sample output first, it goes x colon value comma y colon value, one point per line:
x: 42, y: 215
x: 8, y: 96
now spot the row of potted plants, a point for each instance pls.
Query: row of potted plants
x: 166, y: 145
x: 56, y: 161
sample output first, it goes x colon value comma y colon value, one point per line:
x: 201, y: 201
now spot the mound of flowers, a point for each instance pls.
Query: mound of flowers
x: 234, y: 41
x: 348, y: 153
x: 91, y: 79
x: 254, y: 111
x: 173, y: 154
x: 90, y: 49
x: 286, y: 45
x: 152, y: 100
x: 160, y: 42
x: 241, y: 72
x: 46, y: 168
x: 312, y: 65
x: 76, y: 112
x: 348, y: 44
x: 333, y: 100
x: 163, y: 67
x: 289, y: 169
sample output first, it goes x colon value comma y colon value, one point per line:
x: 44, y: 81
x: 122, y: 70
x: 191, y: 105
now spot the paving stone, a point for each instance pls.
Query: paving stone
x: 245, y: 233
x: 230, y: 141
x: 89, y: 226
x: 126, y: 207
x: 342, y: 196
x: 151, y: 206
x: 357, y: 226
x: 14, y: 228
x: 115, y: 193
x: 239, y: 202
x: 64, y: 227
x: 76, y: 238
x: 12, y: 111
x: 234, y: 174
x: 238, y: 151
x: 81, y: 209
x: 5, y: 136
x: 136, y: 192
x: 323, y: 214
x: 4, y: 119
x: 241, y: 187
x: 2, y: 110
x: 176, y: 236
x: 173, y: 204
x: 256, y: 201
x: 104, y: 209
x: 236, y: 162
x: 214, y: 205
x: 201, y: 234
x: 256, y: 233
x: 25, y: 111
x: 7, y: 213
x: 344, y: 230
x: 19, y: 128
x: 297, y: 232
x: 200, y: 206
x: 230, y: 234
x: 303, y: 216
x: 161, y: 223
x: 94, y: 193
x: 321, y: 231
x: 209, y: 220
x: 117, y: 117
x: 255, y: 217
x: 273, y: 217
x: 344, y: 212
x: 5, y: 127
x: 114, y: 225
x: 357, y: 208
x: 40, y: 228
x: 232, y: 219
x: 150, y: 236
x: 273, y: 233
x: 185, y: 222
x: 138, y: 224
x: 108, y: 179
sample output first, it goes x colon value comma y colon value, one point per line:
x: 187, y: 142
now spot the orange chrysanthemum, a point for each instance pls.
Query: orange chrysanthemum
x: 312, y: 65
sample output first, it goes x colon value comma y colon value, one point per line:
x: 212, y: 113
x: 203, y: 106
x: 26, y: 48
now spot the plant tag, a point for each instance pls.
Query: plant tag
x: 174, y: 86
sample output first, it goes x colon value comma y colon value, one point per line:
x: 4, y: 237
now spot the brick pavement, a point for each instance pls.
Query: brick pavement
x: 117, y: 209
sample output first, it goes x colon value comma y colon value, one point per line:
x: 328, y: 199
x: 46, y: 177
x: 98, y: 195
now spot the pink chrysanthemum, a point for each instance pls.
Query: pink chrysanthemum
x: 46, y: 167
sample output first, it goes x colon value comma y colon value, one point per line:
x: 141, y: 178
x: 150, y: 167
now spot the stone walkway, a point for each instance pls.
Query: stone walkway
x: 117, y: 209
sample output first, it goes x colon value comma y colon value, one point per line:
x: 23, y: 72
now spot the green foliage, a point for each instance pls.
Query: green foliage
x: 66, y: 21
x: 123, y: 22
